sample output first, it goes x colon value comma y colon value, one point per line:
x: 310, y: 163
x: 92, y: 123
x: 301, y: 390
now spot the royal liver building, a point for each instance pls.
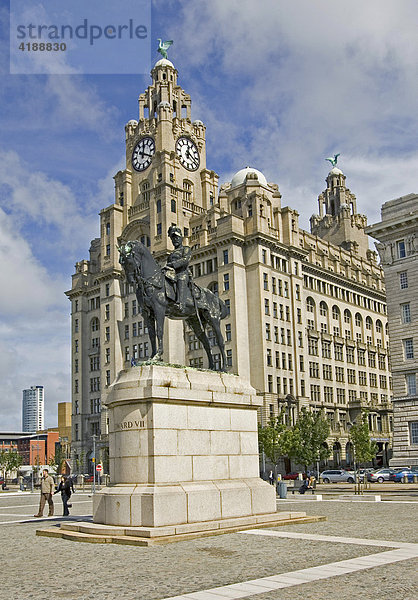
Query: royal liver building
x: 307, y: 312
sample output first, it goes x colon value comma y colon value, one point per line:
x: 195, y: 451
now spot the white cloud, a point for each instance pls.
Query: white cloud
x: 305, y: 79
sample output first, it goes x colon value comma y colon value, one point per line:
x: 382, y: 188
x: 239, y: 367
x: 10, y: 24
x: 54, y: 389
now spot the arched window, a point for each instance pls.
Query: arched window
x: 358, y: 320
x: 145, y: 191
x: 310, y: 304
x: 347, y: 316
x: 379, y: 326
x: 187, y: 190
x: 335, y: 312
x: 323, y: 309
x: 369, y: 323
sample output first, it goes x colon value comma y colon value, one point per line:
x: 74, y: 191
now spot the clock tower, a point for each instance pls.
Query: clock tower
x: 165, y: 181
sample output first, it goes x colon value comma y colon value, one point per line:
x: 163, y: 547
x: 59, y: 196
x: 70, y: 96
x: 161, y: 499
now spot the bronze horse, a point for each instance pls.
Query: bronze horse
x: 156, y: 301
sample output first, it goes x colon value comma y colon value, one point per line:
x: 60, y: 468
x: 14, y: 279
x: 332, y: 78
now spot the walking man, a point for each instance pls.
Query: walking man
x: 47, y: 489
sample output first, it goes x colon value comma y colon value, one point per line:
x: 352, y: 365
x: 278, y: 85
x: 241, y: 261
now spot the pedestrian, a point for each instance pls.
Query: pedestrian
x: 271, y: 478
x: 305, y: 485
x: 47, y: 489
x: 65, y: 487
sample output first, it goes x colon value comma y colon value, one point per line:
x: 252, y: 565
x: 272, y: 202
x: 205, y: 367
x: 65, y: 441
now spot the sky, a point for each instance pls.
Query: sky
x: 280, y: 86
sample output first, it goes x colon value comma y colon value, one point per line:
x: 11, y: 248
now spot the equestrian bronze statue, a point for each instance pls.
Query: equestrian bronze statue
x: 169, y: 291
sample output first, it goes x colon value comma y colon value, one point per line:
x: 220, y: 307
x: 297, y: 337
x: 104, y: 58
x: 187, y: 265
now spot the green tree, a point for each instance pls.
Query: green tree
x: 270, y: 439
x: 55, y: 461
x: 10, y: 461
x: 305, y: 442
x: 364, y: 449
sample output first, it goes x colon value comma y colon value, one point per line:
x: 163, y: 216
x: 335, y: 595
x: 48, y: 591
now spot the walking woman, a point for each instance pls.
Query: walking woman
x: 64, y: 487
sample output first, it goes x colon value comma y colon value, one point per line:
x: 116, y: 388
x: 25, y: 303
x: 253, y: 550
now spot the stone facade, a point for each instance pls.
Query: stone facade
x: 307, y: 312
x: 397, y: 233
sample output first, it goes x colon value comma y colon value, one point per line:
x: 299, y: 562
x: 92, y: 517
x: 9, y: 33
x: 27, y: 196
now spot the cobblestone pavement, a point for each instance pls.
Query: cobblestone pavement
x: 38, y: 568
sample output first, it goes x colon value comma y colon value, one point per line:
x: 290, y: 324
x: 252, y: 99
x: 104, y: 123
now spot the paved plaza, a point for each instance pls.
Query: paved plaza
x: 363, y: 550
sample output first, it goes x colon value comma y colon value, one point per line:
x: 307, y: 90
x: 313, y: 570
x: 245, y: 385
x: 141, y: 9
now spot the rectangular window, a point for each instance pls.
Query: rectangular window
x: 341, y: 400
x: 326, y: 349
x: 107, y: 355
x: 107, y: 334
x: 314, y: 369
x: 411, y: 384
x: 351, y: 375
x: 107, y: 289
x: 107, y: 312
x: 134, y: 329
x: 408, y: 346
x: 76, y: 386
x: 275, y: 310
x: 266, y: 306
x: 269, y: 362
x: 401, y: 249
x: 159, y: 229
x: 373, y: 379
x: 315, y: 393
x: 352, y: 395
x: 77, y: 434
x: 276, y: 334
x: 265, y: 281
x: 76, y: 365
x: 403, y: 280
x: 362, y: 378
x: 328, y: 394
x: 286, y: 289
x: 226, y: 258
x: 273, y: 285
x: 107, y: 377
x: 339, y: 374
x: 361, y: 354
x: 327, y: 372
x: 127, y: 356
x: 228, y: 306
x: 313, y: 347
x: 372, y: 360
x: 226, y: 282
x: 413, y: 429
x: 134, y: 309
x: 406, y: 312
x: 289, y: 337
x: 75, y: 345
x: 297, y: 291
x: 229, y: 358
x: 126, y: 332
x: 299, y: 315
x: 107, y: 249
x: 270, y: 383
x: 283, y: 360
x: 338, y: 352
x: 228, y: 332
x: 76, y: 325
x: 173, y: 205
x: 349, y: 354
x: 300, y: 339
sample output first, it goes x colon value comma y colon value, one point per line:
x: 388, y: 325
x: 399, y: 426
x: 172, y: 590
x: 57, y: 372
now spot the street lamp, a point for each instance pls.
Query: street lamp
x: 94, y: 462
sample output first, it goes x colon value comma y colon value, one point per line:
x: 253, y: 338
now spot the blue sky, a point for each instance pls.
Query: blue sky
x: 280, y: 86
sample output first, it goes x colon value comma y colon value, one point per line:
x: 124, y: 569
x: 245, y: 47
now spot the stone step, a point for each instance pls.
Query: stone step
x: 104, y: 534
x: 358, y: 497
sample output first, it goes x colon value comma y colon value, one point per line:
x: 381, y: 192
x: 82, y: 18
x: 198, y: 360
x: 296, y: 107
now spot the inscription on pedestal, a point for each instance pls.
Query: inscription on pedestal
x: 130, y: 425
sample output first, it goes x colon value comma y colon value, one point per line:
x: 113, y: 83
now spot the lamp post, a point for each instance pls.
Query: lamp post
x: 94, y: 462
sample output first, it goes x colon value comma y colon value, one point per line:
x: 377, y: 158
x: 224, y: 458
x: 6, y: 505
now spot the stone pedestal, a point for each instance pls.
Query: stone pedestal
x: 183, y: 451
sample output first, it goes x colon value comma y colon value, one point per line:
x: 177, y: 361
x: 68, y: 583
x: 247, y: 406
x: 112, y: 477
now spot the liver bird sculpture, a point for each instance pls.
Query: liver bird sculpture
x: 163, y: 47
x: 334, y: 160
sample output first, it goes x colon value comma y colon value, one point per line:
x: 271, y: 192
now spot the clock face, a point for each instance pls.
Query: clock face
x: 143, y: 153
x: 188, y: 153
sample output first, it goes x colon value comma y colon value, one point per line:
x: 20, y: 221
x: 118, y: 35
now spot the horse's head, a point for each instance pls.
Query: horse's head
x: 128, y: 260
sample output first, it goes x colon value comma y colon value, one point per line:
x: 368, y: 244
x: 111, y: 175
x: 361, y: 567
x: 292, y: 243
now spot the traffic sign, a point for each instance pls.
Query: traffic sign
x: 99, y: 468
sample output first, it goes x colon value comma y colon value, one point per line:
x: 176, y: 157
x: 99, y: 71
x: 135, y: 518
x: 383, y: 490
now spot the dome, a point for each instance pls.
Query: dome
x: 336, y: 171
x: 198, y: 123
x: 164, y: 104
x: 164, y: 62
x: 133, y: 123
x: 241, y: 175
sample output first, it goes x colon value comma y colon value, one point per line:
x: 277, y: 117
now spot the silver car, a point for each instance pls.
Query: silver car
x: 381, y: 475
x: 337, y: 475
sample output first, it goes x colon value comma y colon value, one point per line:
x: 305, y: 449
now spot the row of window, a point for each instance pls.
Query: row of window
x: 281, y: 311
x: 279, y: 287
x: 350, y: 353
x: 343, y: 294
x: 339, y: 372
x: 197, y: 362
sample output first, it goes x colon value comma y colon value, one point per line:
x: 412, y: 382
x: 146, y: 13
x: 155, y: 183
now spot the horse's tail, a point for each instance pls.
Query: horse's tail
x: 223, y: 311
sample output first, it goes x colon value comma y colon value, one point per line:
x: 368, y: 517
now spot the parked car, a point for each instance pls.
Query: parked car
x: 293, y: 475
x: 337, y: 475
x: 397, y: 470
x: 380, y: 475
x: 399, y: 475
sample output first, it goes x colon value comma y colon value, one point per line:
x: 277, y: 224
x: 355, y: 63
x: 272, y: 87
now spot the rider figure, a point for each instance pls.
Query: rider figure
x: 179, y: 261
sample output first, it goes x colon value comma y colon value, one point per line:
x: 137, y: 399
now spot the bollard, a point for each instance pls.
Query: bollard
x: 415, y: 478
x: 405, y: 479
